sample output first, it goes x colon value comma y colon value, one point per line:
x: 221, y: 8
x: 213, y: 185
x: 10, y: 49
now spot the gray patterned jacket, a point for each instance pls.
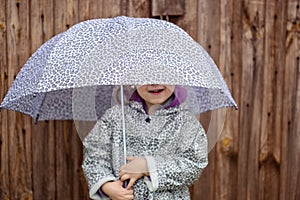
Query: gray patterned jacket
x: 173, y: 143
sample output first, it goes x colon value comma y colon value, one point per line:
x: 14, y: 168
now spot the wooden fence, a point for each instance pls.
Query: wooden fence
x: 256, y: 46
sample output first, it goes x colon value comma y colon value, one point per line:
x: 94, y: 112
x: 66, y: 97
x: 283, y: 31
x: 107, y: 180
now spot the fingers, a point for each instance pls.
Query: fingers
x: 131, y: 182
x: 131, y: 179
x: 122, y: 172
x: 124, y: 177
x: 125, y: 195
x: 120, y: 183
x: 128, y: 191
x: 130, y: 158
x: 123, y: 168
x: 131, y: 171
x: 116, y: 191
x: 129, y: 197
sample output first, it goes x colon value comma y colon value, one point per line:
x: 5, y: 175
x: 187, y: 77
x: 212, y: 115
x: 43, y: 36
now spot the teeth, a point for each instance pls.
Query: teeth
x: 158, y: 90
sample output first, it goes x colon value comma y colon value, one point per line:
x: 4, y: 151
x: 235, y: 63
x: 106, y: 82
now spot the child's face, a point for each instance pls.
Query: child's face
x: 155, y: 94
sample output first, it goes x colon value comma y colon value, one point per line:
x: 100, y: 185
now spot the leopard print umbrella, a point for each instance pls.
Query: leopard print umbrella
x: 73, y: 75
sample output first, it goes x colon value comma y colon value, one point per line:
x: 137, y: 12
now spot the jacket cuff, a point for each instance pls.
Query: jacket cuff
x: 94, y: 190
x: 152, y: 181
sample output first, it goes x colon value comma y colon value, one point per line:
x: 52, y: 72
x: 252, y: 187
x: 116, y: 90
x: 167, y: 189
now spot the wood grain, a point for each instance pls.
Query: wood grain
x: 167, y: 7
x: 290, y: 123
x: 4, y: 146
x: 43, y: 135
x: 255, y: 44
x: 19, y: 133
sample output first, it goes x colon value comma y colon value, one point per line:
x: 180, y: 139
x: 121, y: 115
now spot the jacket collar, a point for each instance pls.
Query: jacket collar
x: 138, y: 106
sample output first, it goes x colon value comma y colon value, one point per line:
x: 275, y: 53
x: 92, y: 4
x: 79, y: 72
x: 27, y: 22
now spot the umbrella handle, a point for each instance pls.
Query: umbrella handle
x: 125, y: 183
x: 123, y: 123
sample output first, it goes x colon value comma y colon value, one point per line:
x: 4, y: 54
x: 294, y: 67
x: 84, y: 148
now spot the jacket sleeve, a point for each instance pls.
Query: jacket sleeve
x: 97, y: 158
x: 170, y: 171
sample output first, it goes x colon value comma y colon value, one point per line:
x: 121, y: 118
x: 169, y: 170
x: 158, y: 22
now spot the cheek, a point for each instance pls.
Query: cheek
x: 168, y: 94
x: 170, y: 90
x: 141, y: 92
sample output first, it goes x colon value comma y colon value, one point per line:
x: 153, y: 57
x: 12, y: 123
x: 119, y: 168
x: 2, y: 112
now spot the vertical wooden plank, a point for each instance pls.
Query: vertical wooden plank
x: 295, y: 137
x: 209, y: 37
x: 232, y: 119
x: 189, y: 21
x: 62, y: 158
x: 73, y: 149
x: 19, y: 129
x: 113, y: 8
x: 280, y: 18
x: 61, y: 184
x: 69, y: 159
x: 96, y: 8
x: 72, y: 12
x: 84, y: 8
x: 27, y: 143
x: 4, y: 146
x: 80, y: 129
x: 124, y: 7
x: 279, y: 144
x: 226, y: 188
x: 41, y: 22
x: 104, y: 8
x: 223, y: 190
x: 251, y: 94
x: 43, y: 139
x: 291, y: 120
x: 270, y: 143
x: 265, y: 155
x: 292, y: 150
x: 167, y: 7
x: 65, y: 15
x: 89, y: 9
x: 138, y: 8
x: 44, y: 161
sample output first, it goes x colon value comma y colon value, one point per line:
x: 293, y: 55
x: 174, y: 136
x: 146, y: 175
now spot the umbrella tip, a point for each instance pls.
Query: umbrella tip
x: 236, y: 107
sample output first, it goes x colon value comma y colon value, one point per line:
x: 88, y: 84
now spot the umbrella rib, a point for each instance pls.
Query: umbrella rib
x: 39, y: 108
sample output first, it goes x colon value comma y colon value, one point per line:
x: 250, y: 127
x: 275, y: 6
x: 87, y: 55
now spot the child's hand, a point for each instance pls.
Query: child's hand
x: 116, y: 191
x: 135, y: 169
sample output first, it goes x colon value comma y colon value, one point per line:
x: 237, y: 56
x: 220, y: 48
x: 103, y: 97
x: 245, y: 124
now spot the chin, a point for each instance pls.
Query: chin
x: 160, y: 102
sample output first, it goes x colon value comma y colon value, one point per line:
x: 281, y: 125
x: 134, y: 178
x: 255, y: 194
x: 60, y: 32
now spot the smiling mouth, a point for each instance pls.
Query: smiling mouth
x: 156, y: 91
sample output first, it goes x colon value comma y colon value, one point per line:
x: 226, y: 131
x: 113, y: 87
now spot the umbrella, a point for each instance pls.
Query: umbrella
x: 73, y: 75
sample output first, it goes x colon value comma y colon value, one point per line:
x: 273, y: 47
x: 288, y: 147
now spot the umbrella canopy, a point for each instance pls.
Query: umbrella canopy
x: 88, y: 60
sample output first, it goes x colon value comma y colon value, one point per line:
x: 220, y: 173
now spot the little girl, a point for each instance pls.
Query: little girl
x: 166, y: 148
